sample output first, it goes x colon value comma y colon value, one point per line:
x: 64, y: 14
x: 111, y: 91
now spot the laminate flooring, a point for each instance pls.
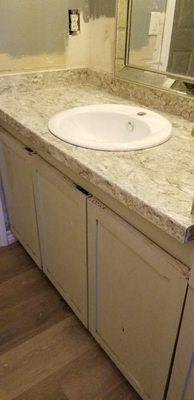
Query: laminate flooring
x: 45, y: 352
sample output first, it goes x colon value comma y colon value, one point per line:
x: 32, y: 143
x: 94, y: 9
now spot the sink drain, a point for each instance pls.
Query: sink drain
x: 141, y: 113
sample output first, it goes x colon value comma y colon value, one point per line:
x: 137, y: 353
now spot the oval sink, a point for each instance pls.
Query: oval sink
x: 111, y: 127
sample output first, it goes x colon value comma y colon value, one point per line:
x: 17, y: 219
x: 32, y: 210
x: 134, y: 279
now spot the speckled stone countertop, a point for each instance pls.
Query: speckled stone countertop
x: 157, y: 183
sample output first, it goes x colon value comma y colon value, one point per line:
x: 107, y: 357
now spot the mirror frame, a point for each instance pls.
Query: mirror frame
x: 148, y: 77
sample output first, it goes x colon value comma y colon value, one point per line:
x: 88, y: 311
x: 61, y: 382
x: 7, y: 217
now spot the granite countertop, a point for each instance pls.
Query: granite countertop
x: 157, y: 183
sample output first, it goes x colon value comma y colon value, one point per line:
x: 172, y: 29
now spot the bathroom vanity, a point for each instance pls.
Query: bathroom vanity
x: 108, y: 229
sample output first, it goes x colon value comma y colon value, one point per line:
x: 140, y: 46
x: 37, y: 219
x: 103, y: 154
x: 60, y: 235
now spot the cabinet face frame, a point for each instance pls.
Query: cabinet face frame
x: 160, y: 264
x: 11, y: 149
x: 182, y: 379
x: 47, y: 178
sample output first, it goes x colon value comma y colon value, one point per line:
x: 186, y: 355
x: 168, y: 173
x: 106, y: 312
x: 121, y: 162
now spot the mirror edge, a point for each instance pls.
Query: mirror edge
x: 149, y: 78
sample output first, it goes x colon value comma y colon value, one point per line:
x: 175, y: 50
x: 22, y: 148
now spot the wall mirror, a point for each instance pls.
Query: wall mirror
x: 155, y: 43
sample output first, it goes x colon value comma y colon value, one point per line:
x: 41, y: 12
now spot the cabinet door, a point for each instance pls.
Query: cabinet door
x: 62, y: 225
x: 16, y: 169
x: 182, y: 380
x: 136, y: 295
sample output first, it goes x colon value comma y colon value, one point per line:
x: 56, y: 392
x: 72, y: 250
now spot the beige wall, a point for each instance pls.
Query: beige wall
x: 34, y: 35
x: 102, y: 31
x: 102, y: 49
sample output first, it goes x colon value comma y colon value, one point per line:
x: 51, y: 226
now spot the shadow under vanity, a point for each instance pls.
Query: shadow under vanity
x: 113, y: 232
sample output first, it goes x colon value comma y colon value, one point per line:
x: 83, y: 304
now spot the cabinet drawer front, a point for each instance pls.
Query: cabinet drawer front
x: 62, y: 224
x: 136, y: 295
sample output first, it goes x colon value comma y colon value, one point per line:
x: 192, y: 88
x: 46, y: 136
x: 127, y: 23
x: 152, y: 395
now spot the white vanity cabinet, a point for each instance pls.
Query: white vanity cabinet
x: 17, y: 176
x: 136, y: 295
x: 61, y: 209
x: 136, y: 289
x: 182, y: 380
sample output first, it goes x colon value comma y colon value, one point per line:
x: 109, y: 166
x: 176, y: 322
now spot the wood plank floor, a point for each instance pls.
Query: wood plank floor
x: 45, y: 352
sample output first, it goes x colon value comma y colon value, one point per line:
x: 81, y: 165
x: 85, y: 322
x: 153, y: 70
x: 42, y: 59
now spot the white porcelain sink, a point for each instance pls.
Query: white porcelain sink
x: 111, y: 127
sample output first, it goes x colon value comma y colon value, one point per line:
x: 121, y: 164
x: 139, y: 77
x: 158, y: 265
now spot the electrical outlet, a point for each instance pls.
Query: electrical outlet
x: 74, y: 21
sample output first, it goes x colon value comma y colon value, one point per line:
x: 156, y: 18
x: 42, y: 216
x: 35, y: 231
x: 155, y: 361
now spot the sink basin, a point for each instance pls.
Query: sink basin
x: 111, y: 127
